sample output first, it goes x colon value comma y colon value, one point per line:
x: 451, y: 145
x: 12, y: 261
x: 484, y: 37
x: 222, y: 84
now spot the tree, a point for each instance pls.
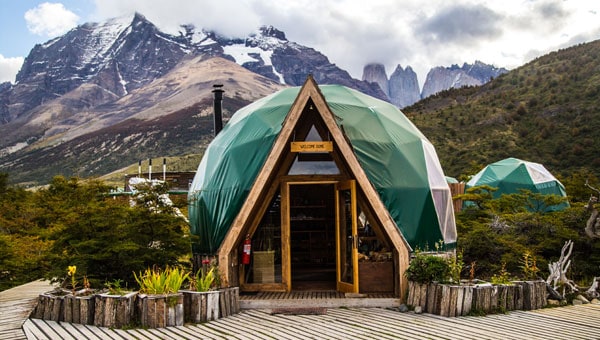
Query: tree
x: 105, y: 238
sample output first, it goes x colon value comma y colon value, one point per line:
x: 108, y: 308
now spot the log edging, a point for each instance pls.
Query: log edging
x: 118, y: 311
x: 460, y: 300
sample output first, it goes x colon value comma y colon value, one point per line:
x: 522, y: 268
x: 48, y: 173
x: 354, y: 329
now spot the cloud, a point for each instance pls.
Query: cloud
x: 229, y: 17
x: 50, y: 19
x: 9, y: 68
x: 461, y: 24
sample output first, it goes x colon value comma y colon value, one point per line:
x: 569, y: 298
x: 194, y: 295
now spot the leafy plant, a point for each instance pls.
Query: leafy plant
x: 426, y: 268
x: 456, y: 266
x: 203, y: 280
x: 502, y: 278
x: 529, y: 266
x: 114, y: 287
x: 472, y: 271
x: 156, y: 281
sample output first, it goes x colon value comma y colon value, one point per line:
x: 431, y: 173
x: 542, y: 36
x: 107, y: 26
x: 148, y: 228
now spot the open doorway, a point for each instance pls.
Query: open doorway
x: 312, y: 236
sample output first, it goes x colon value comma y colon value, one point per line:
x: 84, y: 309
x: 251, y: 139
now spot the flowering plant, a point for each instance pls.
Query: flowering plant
x: 71, y: 270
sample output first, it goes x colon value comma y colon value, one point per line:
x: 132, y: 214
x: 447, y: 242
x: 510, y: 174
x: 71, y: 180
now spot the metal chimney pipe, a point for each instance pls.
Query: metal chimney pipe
x: 217, y: 107
x: 150, y: 169
x: 164, y: 169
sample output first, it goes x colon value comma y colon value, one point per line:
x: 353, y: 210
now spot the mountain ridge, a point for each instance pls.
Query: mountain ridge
x: 108, y: 119
x: 545, y: 111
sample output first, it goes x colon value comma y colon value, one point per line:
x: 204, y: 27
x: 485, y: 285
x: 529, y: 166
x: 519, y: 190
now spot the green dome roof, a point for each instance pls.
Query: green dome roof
x: 398, y: 159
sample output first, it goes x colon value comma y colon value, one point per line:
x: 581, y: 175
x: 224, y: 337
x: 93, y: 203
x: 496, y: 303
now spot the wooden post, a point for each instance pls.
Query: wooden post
x: 502, y: 297
x: 114, y: 311
x: 460, y: 296
x: 467, y: 300
x: 158, y: 311
x: 510, y: 297
x: 423, y: 295
x: 452, y: 301
x: 79, y: 309
x: 411, y: 293
x: 518, y: 296
x: 431, y: 298
x: 229, y: 301
x: 445, y: 302
x: 542, y: 298
x: 200, y: 306
x: 50, y: 306
x: 493, y: 299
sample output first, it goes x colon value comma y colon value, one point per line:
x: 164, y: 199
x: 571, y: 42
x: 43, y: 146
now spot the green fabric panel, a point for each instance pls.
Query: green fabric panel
x: 387, y: 145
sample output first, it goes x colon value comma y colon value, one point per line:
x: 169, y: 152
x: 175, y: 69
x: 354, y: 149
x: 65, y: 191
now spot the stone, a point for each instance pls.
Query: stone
x: 418, y: 310
x: 552, y: 302
x: 582, y: 299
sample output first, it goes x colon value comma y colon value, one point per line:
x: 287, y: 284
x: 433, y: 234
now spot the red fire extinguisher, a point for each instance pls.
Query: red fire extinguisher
x: 247, y: 250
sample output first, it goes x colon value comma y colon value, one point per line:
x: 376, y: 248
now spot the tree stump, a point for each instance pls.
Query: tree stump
x: 114, y: 311
x: 79, y: 309
x: 229, y: 301
x: 158, y: 311
x: 50, y: 305
x: 200, y: 306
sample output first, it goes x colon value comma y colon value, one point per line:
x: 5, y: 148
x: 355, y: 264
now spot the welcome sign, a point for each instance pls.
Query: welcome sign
x: 312, y: 146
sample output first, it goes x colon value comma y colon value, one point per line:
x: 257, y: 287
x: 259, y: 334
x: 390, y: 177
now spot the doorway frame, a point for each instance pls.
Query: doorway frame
x: 286, y: 251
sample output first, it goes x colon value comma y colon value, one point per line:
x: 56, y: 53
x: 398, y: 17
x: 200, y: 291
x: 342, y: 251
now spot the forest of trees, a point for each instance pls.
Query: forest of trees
x: 75, y: 222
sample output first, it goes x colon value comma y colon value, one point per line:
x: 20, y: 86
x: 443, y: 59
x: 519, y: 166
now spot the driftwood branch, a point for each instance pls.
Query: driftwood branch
x: 592, y: 226
x: 558, y: 270
x: 593, y: 290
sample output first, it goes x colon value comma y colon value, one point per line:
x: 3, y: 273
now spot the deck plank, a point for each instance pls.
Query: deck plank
x: 578, y: 322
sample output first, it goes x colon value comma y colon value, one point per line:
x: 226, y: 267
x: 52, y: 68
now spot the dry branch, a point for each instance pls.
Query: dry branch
x: 558, y: 270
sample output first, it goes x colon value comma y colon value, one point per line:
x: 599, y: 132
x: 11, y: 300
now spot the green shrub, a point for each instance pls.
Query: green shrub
x: 203, y: 281
x: 426, y: 268
x: 156, y: 281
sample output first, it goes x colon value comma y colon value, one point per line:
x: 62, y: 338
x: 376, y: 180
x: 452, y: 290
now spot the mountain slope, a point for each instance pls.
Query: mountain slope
x: 170, y: 116
x: 545, y: 111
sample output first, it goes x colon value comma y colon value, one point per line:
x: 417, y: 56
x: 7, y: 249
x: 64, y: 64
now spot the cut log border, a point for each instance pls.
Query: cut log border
x: 200, y: 306
x: 229, y: 301
x: 79, y: 309
x: 50, y: 306
x: 459, y: 300
x: 159, y: 311
x: 114, y: 311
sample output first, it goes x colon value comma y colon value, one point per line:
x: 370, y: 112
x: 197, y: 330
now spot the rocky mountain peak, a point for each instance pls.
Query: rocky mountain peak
x: 443, y: 78
x: 270, y: 31
x: 401, y: 89
x: 375, y: 73
x: 404, y: 87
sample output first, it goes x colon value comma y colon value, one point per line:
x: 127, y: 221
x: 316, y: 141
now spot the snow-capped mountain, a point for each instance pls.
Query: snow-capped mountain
x: 99, y: 78
x: 108, y: 94
x: 127, y: 53
x: 443, y: 78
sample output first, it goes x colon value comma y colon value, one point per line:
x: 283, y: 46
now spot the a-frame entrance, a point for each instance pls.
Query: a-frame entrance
x: 311, y: 155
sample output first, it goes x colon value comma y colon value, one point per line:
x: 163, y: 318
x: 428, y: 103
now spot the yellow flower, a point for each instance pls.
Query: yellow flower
x: 71, y: 270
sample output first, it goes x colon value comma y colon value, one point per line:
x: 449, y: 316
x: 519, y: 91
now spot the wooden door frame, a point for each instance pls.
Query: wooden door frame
x: 286, y: 258
x: 341, y: 285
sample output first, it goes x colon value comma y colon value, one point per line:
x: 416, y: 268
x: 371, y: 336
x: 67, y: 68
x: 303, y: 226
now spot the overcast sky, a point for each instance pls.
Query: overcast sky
x: 352, y: 33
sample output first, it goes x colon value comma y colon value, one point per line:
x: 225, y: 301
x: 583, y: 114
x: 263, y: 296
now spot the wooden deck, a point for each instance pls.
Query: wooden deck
x: 573, y: 322
x: 314, y: 299
x: 16, y: 305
